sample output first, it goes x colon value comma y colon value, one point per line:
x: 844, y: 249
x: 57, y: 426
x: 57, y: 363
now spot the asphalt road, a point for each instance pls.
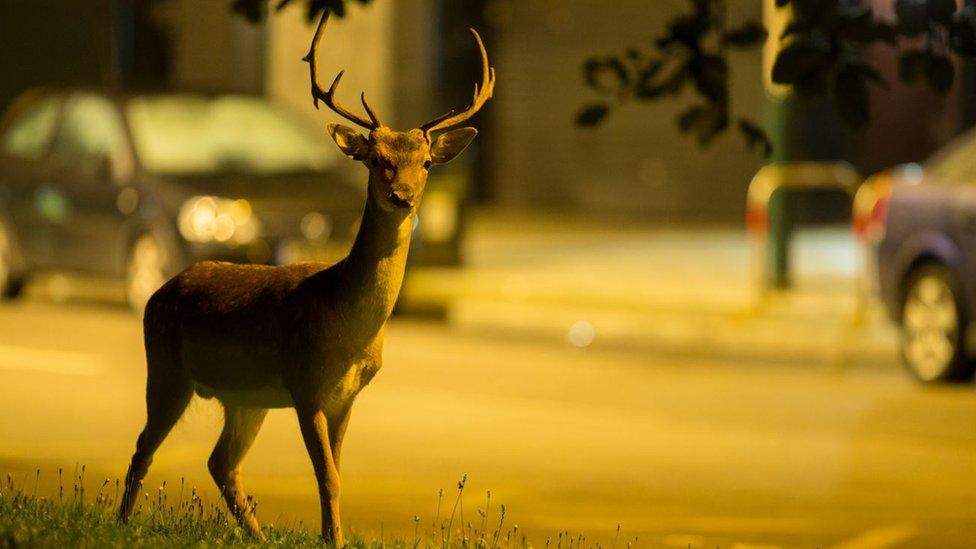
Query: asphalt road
x: 679, y: 451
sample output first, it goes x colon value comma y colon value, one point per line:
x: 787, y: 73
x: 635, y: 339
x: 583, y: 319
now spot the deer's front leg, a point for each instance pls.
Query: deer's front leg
x: 337, y: 432
x: 315, y: 431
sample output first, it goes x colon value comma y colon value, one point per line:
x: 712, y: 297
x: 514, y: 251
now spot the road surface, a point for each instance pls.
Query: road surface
x: 680, y: 451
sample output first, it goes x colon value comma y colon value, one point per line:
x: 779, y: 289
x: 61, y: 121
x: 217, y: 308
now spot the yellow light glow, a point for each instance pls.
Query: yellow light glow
x: 223, y: 227
x: 207, y: 218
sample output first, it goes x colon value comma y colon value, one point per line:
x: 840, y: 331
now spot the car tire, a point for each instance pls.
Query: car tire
x: 933, y: 326
x: 146, y: 269
x: 11, y: 282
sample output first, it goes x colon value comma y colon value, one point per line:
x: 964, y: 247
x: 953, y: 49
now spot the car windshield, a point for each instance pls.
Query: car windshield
x: 188, y: 134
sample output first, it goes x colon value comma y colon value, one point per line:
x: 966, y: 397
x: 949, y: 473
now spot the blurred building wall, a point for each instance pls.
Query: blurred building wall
x: 144, y: 44
x: 212, y: 47
x: 637, y: 164
x: 53, y: 42
x: 361, y: 43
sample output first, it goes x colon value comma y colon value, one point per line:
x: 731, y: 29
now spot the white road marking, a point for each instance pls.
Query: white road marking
x: 30, y: 359
x: 878, y: 538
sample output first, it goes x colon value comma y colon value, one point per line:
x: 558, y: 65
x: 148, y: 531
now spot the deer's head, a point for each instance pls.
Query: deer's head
x: 398, y: 162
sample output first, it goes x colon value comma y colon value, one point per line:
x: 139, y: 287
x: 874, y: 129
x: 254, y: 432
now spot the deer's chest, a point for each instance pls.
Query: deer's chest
x: 339, y: 396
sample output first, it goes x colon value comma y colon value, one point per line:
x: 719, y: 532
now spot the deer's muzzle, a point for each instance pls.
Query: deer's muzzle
x: 401, y: 199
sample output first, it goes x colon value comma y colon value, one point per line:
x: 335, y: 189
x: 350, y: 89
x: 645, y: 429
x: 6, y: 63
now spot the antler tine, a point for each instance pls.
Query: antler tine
x: 328, y: 97
x: 369, y: 110
x: 482, y: 94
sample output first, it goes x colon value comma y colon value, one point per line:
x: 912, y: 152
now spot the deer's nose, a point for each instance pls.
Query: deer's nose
x: 402, y: 198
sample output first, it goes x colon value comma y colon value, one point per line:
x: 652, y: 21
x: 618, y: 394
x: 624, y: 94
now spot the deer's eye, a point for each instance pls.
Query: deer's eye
x: 427, y: 164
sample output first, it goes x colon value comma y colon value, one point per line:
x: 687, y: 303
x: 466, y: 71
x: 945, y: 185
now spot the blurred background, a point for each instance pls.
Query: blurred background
x: 604, y: 321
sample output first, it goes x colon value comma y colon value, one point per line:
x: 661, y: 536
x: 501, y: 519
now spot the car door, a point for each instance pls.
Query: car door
x: 24, y: 171
x: 92, y: 167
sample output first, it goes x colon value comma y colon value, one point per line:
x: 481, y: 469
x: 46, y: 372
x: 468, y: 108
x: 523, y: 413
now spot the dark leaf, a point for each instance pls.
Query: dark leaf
x: 798, y: 58
x: 913, y: 17
x: 858, y: 25
x: 703, y: 8
x: 756, y: 138
x: 606, y: 75
x: 911, y: 65
x: 812, y: 11
x: 705, y: 122
x: 686, y: 31
x: 335, y: 7
x: 814, y: 82
x: 710, y: 74
x: 941, y: 10
x: 591, y: 115
x: 867, y: 72
x: 671, y: 84
x: 886, y: 33
x: 646, y: 88
x: 853, y: 21
x: 793, y: 27
x: 314, y: 8
x: 252, y: 10
x: 751, y: 33
x: 689, y: 118
x: 963, y: 32
x: 851, y: 98
x: 787, y: 66
x: 939, y: 72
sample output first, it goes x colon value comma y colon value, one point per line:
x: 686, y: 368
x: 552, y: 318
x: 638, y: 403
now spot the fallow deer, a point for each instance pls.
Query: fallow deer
x: 307, y: 336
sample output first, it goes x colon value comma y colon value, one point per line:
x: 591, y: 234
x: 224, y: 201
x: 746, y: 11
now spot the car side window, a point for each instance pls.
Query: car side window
x: 29, y: 135
x: 91, y: 130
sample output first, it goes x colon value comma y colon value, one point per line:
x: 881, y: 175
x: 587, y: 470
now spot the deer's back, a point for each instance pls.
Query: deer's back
x: 213, y: 290
x: 224, y: 319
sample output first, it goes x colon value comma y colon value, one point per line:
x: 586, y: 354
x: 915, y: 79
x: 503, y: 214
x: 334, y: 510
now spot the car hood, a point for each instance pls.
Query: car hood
x: 279, y: 200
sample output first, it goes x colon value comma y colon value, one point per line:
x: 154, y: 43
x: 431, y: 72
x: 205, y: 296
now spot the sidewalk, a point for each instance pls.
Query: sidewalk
x: 685, y: 291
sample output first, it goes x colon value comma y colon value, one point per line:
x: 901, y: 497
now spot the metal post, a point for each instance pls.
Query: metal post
x: 771, y: 249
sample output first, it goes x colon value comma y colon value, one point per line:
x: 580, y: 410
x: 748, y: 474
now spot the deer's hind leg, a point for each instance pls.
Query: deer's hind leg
x: 241, y: 426
x: 167, y: 394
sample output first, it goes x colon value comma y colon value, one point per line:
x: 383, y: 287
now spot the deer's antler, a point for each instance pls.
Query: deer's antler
x: 328, y: 97
x: 481, y: 94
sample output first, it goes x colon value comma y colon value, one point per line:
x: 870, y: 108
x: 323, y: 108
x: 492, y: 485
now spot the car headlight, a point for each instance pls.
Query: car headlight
x: 213, y: 219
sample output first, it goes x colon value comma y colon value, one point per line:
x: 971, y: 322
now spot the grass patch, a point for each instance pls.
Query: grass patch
x: 81, y: 520
x: 164, y: 518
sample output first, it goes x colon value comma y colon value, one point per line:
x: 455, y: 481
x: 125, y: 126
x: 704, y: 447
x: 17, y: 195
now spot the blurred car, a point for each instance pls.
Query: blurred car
x: 927, y: 260
x: 138, y: 187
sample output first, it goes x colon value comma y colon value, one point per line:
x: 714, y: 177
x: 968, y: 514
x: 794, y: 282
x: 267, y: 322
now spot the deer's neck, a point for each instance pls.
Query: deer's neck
x: 371, y: 277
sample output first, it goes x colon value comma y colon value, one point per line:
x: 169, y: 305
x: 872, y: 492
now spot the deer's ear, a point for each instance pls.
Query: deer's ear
x: 352, y: 143
x: 450, y: 144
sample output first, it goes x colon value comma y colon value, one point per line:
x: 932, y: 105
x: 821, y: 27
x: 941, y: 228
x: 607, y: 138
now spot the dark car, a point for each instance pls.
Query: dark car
x: 138, y: 187
x: 927, y: 261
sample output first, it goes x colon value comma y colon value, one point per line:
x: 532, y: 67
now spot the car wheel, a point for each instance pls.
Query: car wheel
x: 145, y: 270
x: 11, y: 284
x: 933, y: 324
